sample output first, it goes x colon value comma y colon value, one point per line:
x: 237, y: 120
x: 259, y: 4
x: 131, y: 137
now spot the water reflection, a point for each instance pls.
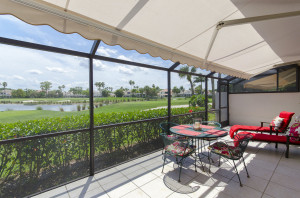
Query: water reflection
x: 50, y: 107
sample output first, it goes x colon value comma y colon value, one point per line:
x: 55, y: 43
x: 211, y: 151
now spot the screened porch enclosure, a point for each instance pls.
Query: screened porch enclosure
x: 33, y: 161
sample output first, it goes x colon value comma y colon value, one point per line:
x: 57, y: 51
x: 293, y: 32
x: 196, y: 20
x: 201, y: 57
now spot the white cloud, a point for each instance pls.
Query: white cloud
x: 84, y: 64
x: 83, y: 84
x: 27, y: 39
x: 105, y: 51
x: 56, y: 69
x: 98, y: 65
x: 125, y: 70
x: 34, y: 71
x: 124, y: 58
x: 17, y: 77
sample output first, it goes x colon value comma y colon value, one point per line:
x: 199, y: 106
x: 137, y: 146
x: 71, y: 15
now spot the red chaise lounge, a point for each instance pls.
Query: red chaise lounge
x: 263, y: 137
x: 287, y: 116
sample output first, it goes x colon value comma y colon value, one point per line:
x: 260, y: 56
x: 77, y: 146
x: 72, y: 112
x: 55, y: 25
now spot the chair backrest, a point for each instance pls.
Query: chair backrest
x: 165, y: 126
x: 287, y: 117
x: 241, y: 141
x: 166, y: 140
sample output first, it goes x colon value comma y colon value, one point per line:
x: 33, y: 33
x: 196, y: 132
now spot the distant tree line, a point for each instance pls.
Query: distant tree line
x: 46, y: 91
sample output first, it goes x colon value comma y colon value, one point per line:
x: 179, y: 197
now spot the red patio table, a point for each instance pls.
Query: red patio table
x: 206, y: 132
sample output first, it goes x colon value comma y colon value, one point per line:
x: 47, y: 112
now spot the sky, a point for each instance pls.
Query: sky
x: 25, y: 68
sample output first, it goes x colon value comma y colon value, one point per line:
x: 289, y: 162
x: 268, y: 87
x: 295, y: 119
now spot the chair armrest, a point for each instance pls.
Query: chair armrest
x: 262, y: 123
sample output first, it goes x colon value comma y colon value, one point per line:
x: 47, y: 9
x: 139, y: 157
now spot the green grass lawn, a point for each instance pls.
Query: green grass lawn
x: 14, y: 116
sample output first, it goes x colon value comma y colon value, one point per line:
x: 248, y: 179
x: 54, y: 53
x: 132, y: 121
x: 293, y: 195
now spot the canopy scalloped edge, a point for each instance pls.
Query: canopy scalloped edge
x: 69, y: 22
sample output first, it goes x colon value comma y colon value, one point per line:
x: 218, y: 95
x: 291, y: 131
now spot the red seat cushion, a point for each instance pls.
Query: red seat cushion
x: 236, y: 128
x: 265, y: 137
x: 268, y: 138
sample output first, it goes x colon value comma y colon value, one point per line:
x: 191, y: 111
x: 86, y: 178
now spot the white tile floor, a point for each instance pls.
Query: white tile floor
x: 271, y: 176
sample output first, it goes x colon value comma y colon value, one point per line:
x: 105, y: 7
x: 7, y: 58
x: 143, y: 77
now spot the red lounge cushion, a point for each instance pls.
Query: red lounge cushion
x: 268, y: 138
x: 235, y: 128
x: 286, y: 121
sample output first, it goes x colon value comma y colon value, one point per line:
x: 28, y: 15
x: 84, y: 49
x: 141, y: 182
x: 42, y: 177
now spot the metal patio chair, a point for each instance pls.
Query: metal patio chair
x: 165, y: 126
x: 233, y: 150
x: 180, y: 148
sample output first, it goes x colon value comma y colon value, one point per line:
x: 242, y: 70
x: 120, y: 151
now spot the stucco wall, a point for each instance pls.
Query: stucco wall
x: 250, y: 109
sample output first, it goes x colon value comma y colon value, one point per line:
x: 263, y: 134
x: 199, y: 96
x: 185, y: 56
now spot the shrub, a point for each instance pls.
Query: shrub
x: 61, y: 109
x: 197, y: 100
x: 119, y: 93
x: 56, y: 154
x: 39, y: 108
x: 78, y: 107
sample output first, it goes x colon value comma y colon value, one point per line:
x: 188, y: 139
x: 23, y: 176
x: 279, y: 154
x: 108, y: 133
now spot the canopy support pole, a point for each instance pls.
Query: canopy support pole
x: 212, y: 40
x: 258, y: 18
x: 233, y: 22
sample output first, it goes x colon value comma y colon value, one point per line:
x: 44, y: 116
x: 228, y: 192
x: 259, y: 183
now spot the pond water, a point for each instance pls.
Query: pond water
x: 51, y: 107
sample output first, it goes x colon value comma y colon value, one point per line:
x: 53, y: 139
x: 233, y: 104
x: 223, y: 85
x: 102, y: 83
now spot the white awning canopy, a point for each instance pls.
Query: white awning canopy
x: 181, y: 31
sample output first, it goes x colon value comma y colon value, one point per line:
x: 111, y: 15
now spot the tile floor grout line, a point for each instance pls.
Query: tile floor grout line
x: 102, y: 187
x: 67, y: 191
x: 271, y: 175
x: 137, y: 185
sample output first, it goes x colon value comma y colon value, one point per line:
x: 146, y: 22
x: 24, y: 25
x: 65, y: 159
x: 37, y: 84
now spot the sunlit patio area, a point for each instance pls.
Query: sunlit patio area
x: 271, y: 176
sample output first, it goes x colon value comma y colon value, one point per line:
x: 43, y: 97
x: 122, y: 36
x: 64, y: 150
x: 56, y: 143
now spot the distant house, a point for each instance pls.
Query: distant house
x: 5, y: 93
x: 112, y: 95
x: 209, y: 93
x: 186, y: 93
x: 164, y: 93
x: 71, y: 95
x: 127, y: 93
x: 97, y: 94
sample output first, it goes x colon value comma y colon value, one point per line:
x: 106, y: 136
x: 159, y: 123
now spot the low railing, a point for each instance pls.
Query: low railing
x: 33, y: 164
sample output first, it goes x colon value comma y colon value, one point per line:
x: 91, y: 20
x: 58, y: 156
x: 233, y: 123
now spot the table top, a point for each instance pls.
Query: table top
x: 206, y: 131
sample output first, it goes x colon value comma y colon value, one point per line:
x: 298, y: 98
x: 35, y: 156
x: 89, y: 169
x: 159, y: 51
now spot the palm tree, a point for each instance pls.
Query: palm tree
x: 46, y: 86
x: 63, y: 87
x: 141, y: 91
x: 199, y: 79
x: 182, y: 89
x: 188, y: 76
x: 4, y: 84
x: 100, y: 85
x: 131, y: 83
